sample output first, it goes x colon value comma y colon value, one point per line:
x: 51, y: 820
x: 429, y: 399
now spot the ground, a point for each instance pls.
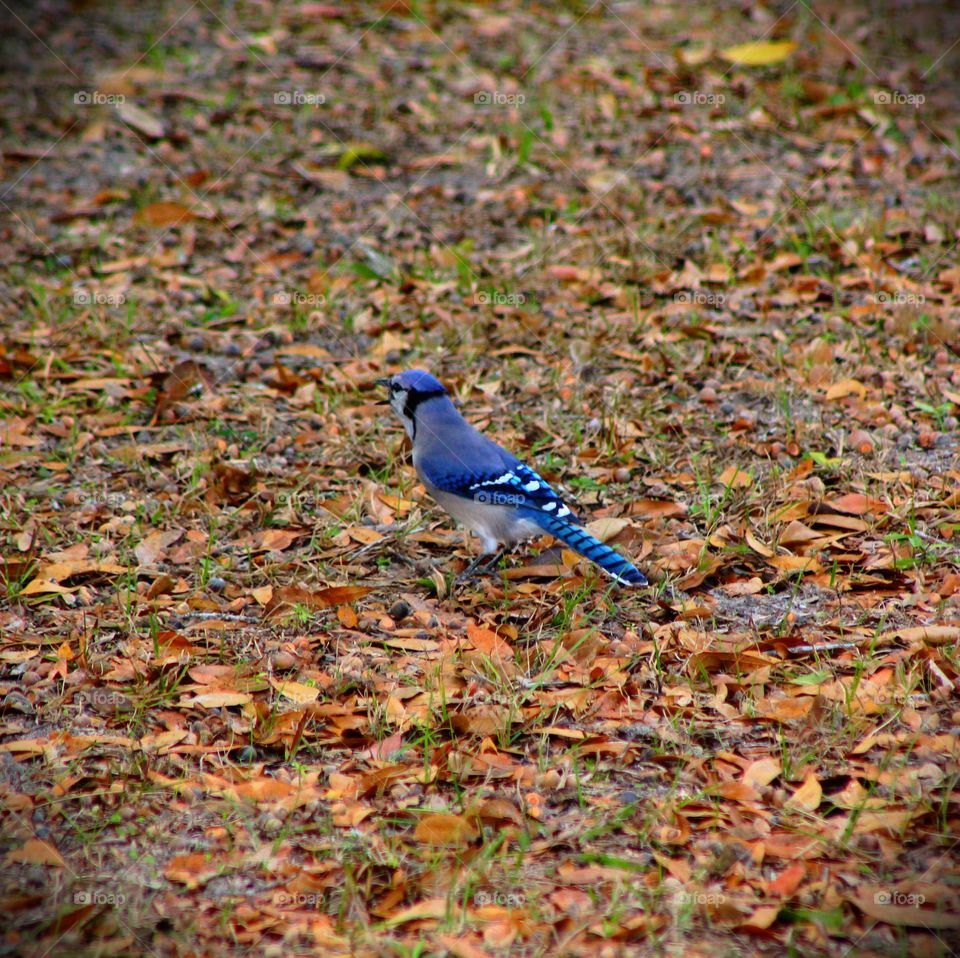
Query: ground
x: 696, y: 263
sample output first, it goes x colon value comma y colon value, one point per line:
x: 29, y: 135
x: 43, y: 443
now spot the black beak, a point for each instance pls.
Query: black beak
x: 382, y: 382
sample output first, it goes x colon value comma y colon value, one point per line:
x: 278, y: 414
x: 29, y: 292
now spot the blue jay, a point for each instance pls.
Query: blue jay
x: 483, y: 486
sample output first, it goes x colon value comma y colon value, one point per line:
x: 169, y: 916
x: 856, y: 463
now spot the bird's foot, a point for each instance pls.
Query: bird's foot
x: 479, y: 568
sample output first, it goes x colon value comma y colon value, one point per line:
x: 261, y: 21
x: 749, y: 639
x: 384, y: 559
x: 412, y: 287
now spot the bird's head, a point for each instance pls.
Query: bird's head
x: 407, y: 390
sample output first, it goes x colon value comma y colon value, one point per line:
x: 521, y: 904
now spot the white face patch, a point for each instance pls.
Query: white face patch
x: 398, y: 400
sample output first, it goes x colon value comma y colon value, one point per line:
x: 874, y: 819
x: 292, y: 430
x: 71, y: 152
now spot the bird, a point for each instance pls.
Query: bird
x: 484, y: 487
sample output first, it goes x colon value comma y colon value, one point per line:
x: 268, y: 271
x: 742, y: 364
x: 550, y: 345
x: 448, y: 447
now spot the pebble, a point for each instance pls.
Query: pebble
x: 904, y: 440
x: 727, y: 408
x: 399, y: 610
x: 216, y: 584
x: 622, y: 474
x: 708, y: 395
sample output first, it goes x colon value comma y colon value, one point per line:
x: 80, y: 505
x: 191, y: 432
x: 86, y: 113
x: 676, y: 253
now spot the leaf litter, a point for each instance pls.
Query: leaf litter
x: 699, y: 265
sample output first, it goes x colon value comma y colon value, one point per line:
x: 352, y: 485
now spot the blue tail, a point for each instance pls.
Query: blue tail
x: 578, y: 539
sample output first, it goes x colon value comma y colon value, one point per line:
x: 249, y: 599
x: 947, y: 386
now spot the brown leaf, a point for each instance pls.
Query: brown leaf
x: 762, y: 918
x: 762, y: 772
x: 808, y: 796
x: 142, y: 121
x: 930, y: 634
x: 192, y: 870
x: 733, y: 477
x: 844, y: 388
x: 657, y: 508
x: 35, y: 852
x: 296, y: 691
x: 276, y: 540
x: 788, y: 881
x: 444, y: 829
x: 857, y: 504
x: 164, y: 214
x: 879, y: 903
x: 435, y: 908
x: 149, y: 550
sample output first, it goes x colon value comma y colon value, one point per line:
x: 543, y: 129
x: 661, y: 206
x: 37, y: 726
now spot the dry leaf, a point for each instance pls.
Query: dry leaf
x: 759, y: 53
x: 443, y: 829
x: 808, y: 796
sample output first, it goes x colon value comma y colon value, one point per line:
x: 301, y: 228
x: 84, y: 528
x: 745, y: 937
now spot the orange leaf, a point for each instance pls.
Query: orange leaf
x: 276, y: 540
x: 444, y: 829
x: 762, y: 918
x: 164, y: 214
x: 35, y: 852
x: 808, y: 796
x: 192, y: 870
x: 347, y: 617
x: 658, y: 508
x: 487, y: 641
x: 795, y: 564
x: 733, y: 477
x: 788, y: 881
x: 857, y: 504
x: 844, y: 388
x: 762, y: 772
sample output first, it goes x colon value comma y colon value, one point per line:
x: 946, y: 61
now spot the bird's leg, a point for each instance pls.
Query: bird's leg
x: 478, y: 567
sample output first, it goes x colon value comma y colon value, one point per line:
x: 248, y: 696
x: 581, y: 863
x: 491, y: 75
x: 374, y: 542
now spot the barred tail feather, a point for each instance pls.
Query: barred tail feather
x: 578, y: 539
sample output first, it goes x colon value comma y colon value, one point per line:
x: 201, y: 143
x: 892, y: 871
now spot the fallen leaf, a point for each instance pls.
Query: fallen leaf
x: 762, y: 772
x: 142, y: 121
x: 35, y: 852
x: 808, y: 796
x: 759, y: 53
x: 444, y: 829
x: 164, y: 214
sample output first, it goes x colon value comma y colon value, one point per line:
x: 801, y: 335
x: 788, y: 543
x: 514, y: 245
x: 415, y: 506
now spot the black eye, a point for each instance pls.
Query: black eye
x: 394, y: 388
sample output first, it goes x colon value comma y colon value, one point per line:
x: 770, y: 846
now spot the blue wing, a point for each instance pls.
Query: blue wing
x: 514, y: 485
